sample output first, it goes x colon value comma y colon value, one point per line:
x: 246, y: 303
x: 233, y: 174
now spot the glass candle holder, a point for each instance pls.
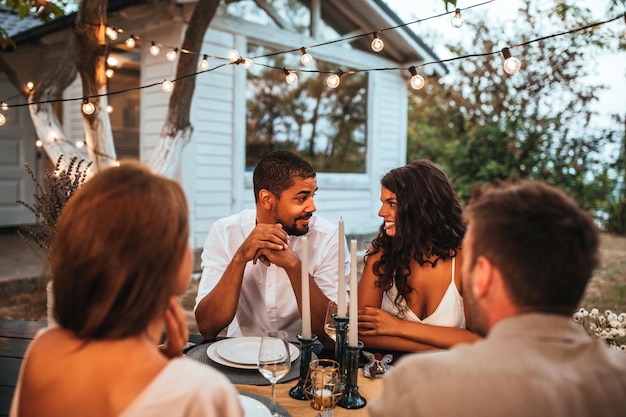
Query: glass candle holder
x: 341, y: 340
x: 324, y: 386
x: 352, y: 398
x: 306, y: 348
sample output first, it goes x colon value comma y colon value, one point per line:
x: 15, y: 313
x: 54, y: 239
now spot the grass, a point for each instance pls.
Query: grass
x: 606, y: 290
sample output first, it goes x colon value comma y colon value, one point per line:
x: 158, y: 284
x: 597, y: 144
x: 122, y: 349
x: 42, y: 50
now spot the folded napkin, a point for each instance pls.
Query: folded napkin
x: 378, y: 364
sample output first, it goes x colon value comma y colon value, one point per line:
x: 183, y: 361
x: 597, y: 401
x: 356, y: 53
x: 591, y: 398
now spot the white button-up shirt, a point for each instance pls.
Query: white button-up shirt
x: 267, y: 301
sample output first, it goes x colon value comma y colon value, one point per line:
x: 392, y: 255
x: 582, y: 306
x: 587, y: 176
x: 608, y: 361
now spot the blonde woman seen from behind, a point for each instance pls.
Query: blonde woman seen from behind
x: 121, y: 257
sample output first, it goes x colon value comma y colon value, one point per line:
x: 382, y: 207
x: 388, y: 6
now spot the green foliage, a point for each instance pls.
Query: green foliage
x: 51, y: 198
x: 326, y: 126
x: 486, y: 124
x: 43, y: 9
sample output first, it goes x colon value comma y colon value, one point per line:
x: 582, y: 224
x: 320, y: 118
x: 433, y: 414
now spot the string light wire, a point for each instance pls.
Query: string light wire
x: 247, y: 61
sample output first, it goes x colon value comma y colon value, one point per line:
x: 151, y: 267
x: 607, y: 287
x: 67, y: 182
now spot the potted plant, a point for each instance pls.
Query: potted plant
x: 50, y: 199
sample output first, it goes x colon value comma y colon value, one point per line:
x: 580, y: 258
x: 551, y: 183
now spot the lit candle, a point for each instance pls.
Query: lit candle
x: 353, y: 329
x: 306, y: 298
x: 341, y: 274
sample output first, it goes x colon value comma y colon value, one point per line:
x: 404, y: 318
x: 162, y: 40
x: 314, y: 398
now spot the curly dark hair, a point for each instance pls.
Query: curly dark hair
x: 429, y: 223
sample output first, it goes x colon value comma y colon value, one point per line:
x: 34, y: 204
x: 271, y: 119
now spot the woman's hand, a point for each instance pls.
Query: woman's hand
x: 376, y: 322
x: 176, y: 328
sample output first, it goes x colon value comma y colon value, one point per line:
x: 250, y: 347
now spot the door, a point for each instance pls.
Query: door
x: 17, y: 147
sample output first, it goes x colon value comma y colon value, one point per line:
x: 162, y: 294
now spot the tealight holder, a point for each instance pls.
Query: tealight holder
x: 341, y: 328
x: 306, y: 349
x: 351, y: 398
x: 323, y: 386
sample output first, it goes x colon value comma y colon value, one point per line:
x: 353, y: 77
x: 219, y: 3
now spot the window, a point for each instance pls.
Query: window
x: 326, y: 126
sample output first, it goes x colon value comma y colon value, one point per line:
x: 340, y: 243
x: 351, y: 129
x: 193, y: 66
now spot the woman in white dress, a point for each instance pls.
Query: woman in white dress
x: 410, y: 295
x: 120, y: 258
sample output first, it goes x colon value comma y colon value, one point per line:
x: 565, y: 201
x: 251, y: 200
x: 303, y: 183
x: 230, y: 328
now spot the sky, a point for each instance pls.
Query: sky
x: 611, y: 68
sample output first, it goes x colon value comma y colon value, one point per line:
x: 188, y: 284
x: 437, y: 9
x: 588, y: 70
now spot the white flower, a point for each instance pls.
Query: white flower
x: 578, y: 317
x: 609, y: 326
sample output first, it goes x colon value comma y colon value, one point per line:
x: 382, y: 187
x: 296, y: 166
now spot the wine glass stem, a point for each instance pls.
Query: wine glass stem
x: 273, y: 399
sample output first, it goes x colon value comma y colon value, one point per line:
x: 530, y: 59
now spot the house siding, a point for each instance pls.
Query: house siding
x: 220, y: 184
x: 212, y: 169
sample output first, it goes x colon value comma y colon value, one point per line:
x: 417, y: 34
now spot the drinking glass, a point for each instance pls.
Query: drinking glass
x: 329, y: 322
x: 274, y: 361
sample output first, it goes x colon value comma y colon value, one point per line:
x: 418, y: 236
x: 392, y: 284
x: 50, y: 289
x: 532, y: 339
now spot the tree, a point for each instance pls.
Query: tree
x: 537, y: 123
x: 85, y: 55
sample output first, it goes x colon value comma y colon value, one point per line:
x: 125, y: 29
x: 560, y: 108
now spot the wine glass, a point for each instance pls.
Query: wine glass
x: 329, y: 322
x: 274, y: 361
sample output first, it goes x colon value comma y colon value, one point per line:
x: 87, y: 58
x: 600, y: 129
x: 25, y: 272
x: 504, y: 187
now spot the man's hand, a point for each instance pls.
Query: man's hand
x: 263, y: 239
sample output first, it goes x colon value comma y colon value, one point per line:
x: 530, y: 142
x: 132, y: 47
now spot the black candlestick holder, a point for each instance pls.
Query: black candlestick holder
x: 341, y: 329
x: 351, y: 398
x: 306, y: 348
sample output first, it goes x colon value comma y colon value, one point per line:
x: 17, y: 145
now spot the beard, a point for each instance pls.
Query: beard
x: 292, y: 228
x: 476, y: 319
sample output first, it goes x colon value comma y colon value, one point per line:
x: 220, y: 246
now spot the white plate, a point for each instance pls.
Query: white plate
x: 243, y: 350
x: 212, y: 351
x: 253, y: 408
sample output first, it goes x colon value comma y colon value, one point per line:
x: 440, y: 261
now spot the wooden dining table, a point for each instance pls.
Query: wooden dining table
x: 16, y: 335
x: 368, y: 388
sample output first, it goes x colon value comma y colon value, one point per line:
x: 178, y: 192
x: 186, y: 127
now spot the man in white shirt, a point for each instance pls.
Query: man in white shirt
x: 251, y: 270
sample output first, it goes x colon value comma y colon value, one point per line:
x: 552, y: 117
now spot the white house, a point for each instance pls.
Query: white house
x: 213, y: 166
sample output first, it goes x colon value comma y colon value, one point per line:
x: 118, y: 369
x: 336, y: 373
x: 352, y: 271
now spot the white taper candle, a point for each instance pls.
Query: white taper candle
x: 341, y: 274
x: 353, y: 329
x: 306, y: 297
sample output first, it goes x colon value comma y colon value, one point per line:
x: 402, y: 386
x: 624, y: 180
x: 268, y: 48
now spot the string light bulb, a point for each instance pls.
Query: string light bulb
x: 111, y: 33
x: 171, y: 55
x: 204, y: 63
x: 3, y: 119
x: 306, y: 58
x: 80, y: 143
x: 131, y: 42
x: 109, y: 72
x: 30, y: 86
x: 457, y: 20
x: 511, y: 64
x: 291, y: 77
x: 88, y: 107
x: 38, y: 143
x: 154, y: 49
x: 377, y: 43
x: 109, y: 109
x: 4, y: 106
x: 417, y: 81
x: 233, y: 55
x: 167, y: 86
x: 334, y: 80
x: 247, y: 63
